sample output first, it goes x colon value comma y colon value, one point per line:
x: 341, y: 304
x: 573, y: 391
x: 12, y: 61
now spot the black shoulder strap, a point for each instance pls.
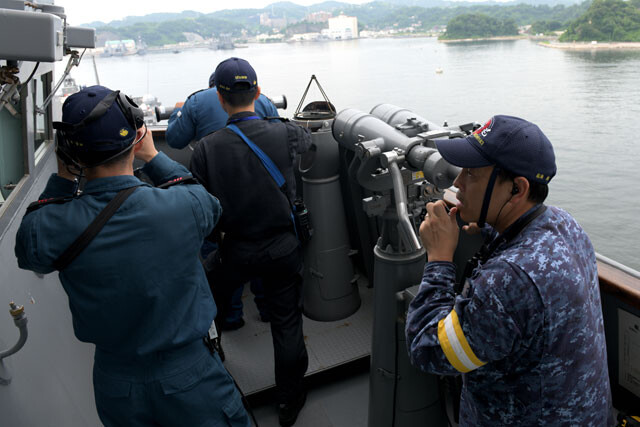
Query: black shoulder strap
x: 92, y: 230
x: 488, y: 248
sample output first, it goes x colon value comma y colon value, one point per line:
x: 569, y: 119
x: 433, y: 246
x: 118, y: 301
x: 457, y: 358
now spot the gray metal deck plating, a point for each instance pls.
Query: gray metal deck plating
x: 249, y: 350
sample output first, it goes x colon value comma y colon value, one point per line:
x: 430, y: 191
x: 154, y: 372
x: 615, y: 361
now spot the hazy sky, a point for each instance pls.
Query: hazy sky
x: 83, y: 11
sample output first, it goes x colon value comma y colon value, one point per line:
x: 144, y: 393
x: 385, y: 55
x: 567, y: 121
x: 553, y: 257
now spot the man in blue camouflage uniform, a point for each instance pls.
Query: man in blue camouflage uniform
x: 526, y: 330
x: 138, y: 290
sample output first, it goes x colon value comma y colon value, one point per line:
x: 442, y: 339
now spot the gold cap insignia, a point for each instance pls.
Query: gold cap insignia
x: 124, y: 132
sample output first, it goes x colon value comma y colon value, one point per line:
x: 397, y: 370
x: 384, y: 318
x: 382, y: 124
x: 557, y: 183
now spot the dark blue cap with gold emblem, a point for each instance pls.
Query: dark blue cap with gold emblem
x: 235, y: 75
x: 511, y: 143
x: 94, y: 120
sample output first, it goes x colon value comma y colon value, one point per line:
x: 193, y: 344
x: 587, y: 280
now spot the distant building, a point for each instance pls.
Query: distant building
x: 269, y: 38
x: 343, y: 27
x: 318, y: 17
x: 306, y: 37
x: 267, y: 21
x: 119, y: 47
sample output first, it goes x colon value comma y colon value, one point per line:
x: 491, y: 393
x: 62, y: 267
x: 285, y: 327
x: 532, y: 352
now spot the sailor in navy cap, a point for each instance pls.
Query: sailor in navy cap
x: 524, y: 324
x: 127, y: 256
x: 201, y: 114
x: 259, y: 236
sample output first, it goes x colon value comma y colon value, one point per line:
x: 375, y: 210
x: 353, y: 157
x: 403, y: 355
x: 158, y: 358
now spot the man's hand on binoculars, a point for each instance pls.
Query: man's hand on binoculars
x: 439, y: 232
x: 145, y: 149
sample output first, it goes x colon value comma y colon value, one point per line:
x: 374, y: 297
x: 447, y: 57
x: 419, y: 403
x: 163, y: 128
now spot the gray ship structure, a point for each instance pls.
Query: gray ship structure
x: 365, y: 182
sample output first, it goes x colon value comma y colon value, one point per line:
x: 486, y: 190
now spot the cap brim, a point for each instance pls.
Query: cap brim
x: 460, y: 152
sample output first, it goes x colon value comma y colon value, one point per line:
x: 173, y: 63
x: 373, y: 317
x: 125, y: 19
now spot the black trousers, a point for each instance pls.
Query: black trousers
x: 282, y: 281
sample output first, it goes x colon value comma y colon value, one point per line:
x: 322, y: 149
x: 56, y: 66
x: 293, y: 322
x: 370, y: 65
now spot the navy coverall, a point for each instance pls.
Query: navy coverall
x: 526, y: 333
x: 259, y: 236
x: 140, y: 294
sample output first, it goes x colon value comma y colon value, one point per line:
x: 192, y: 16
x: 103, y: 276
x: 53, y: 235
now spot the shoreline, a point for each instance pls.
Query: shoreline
x: 592, y: 46
x: 482, y: 39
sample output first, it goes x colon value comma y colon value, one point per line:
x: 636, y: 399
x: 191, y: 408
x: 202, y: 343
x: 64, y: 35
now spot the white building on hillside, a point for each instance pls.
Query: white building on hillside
x: 343, y: 27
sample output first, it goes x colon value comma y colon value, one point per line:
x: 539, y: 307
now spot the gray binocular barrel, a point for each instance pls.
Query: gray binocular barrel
x: 369, y: 136
x: 402, y: 119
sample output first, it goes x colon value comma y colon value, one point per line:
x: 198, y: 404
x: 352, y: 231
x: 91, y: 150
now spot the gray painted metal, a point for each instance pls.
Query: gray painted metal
x: 370, y: 137
x: 249, y: 350
x: 406, y: 121
x: 27, y: 36
x: 51, y: 375
x: 399, y: 394
x: 330, y: 287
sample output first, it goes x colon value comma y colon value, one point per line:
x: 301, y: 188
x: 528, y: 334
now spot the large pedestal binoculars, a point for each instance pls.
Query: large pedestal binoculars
x: 396, y: 147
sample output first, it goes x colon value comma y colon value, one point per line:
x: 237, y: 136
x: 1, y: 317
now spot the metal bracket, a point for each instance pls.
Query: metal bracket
x: 21, y: 323
x: 74, y: 60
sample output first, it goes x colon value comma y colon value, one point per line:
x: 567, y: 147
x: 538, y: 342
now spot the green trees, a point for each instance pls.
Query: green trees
x: 607, y: 20
x: 545, y: 27
x: 478, y: 25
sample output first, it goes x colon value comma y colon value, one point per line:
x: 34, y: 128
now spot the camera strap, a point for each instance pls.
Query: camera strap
x: 267, y: 163
x: 487, y: 249
x: 93, y: 229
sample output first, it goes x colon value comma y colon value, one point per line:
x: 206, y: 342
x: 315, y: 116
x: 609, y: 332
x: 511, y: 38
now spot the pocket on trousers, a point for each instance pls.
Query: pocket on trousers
x: 235, y: 412
x: 188, y: 379
x: 110, y: 387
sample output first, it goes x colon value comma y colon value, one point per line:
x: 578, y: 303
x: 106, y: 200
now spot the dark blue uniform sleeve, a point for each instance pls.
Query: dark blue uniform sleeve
x: 26, y: 248
x: 206, y: 208
x: 162, y: 169
x: 182, y: 127
x: 298, y: 138
x: 451, y: 335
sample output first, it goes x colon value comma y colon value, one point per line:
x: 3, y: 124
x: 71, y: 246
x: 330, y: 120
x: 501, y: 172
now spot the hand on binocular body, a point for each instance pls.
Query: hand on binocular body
x: 439, y: 232
x: 145, y: 150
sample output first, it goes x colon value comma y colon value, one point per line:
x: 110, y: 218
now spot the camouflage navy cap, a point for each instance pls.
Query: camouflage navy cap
x: 512, y: 143
x: 235, y: 75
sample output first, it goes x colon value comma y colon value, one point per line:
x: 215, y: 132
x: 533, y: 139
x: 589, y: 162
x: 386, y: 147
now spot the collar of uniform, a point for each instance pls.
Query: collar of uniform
x: 241, y: 115
x: 111, y: 183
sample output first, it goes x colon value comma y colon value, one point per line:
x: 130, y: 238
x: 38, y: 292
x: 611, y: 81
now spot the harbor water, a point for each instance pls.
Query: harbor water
x: 587, y: 103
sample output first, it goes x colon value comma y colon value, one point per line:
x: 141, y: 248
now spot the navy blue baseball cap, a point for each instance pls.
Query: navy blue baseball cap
x: 235, y: 75
x: 511, y: 143
x: 212, y: 80
x: 109, y: 132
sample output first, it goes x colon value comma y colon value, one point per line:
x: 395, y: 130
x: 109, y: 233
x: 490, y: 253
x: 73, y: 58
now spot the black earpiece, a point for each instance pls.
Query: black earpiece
x: 515, y: 190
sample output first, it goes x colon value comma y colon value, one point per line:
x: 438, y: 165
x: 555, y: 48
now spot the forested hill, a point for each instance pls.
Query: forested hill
x: 479, y: 25
x: 607, y: 20
x: 159, y: 29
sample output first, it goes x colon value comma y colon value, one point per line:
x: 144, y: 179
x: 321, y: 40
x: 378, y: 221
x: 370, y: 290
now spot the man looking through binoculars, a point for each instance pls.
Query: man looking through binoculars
x: 127, y: 254
x: 524, y: 326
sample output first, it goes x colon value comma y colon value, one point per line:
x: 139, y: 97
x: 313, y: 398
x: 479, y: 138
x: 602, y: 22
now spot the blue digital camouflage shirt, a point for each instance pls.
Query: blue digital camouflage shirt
x: 527, y: 333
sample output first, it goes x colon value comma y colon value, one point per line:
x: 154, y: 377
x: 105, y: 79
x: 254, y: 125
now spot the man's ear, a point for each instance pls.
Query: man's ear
x: 520, y: 190
x: 139, y: 134
x: 258, y: 92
